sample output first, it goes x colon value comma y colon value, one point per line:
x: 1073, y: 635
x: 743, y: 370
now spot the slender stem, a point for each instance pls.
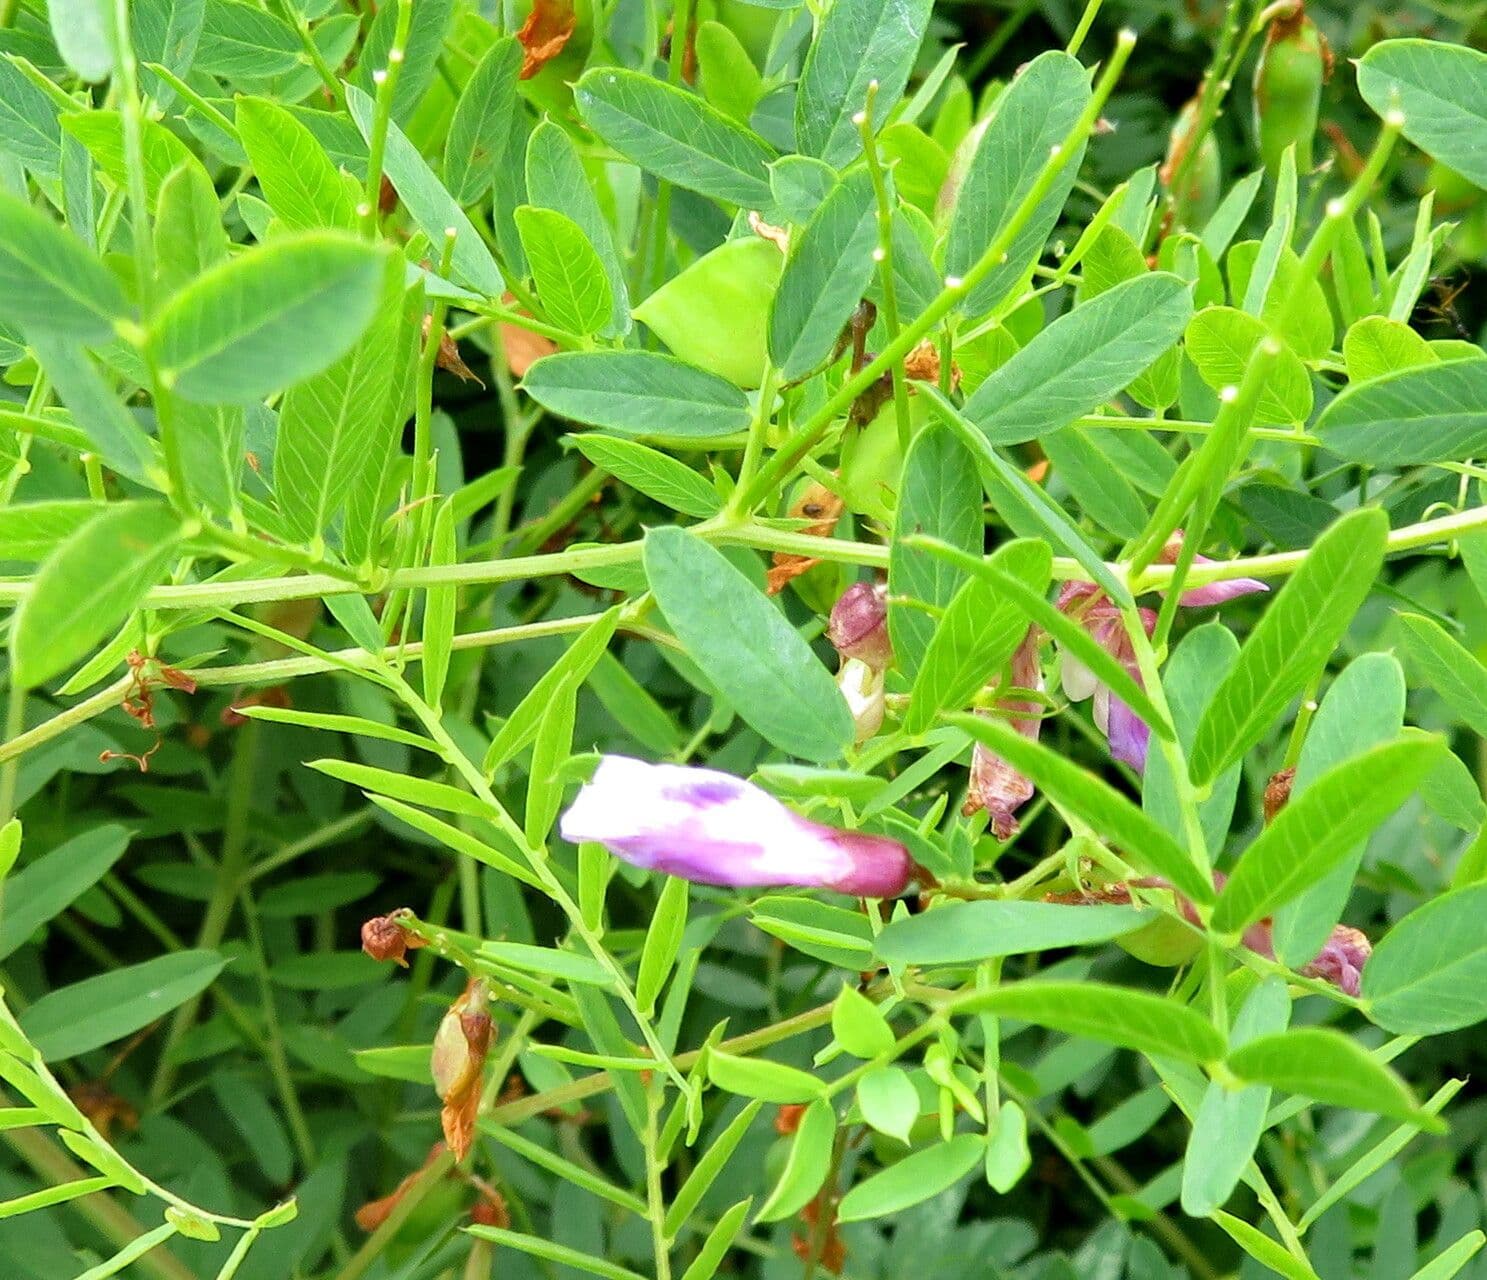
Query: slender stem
x: 655, y: 1201
x: 1086, y: 21
x: 386, y: 79
x: 231, y: 868
x: 748, y: 467
x: 884, y: 256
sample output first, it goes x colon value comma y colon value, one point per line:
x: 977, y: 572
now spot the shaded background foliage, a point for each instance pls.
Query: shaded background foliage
x: 271, y: 1083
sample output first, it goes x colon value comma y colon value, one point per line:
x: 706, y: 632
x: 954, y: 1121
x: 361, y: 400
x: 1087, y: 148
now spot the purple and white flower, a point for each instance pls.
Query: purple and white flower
x: 713, y: 828
x: 1129, y: 737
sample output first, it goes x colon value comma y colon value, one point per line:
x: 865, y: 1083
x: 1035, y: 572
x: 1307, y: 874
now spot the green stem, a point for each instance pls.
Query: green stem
x: 885, y: 262
x: 231, y: 868
x: 955, y: 291
x: 386, y: 79
x: 655, y: 1201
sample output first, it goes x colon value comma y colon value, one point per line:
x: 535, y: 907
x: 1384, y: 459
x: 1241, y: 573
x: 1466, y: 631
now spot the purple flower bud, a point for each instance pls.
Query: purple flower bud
x: 1214, y: 592
x: 712, y: 828
x: 1341, y: 959
x: 859, y: 625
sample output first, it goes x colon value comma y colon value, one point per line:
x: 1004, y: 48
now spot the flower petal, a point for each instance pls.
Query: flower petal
x: 1129, y: 736
x: 712, y: 828
x: 1219, y: 592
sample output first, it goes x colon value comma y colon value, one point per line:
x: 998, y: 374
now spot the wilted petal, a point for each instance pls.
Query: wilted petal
x: 859, y: 625
x: 712, y: 828
x: 994, y: 784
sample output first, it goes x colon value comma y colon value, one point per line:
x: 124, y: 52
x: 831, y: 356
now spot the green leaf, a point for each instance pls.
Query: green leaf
x: 1292, y: 641
x: 671, y: 483
x: 969, y: 932
x: 1321, y: 826
x: 50, y: 282
x: 719, y: 1240
x: 1027, y: 510
x: 940, y: 498
x: 889, y: 1102
x: 89, y: 585
x: 1320, y: 1063
x: 556, y: 179
x: 430, y: 204
x: 663, y: 939
x: 1428, y: 974
x: 85, y: 35
x: 385, y: 782
x: 817, y: 929
x: 830, y: 264
x: 1263, y: 1249
x: 1082, y: 359
x: 479, y: 139
x: 675, y: 135
x: 1033, y: 116
x: 102, y: 133
x: 31, y: 530
x: 639, y: 393
x: 746, y: 647
x: 858, y: 43
x: 1131, y: 1019
x: 439, y: 607
x: 237, y: 333
x: 1220, y: 342
x: 166, y: 32
x: 98, y: 1011
x: 304, y: 189
x: 859, y: 1025
x: 1450, y: 1260
x: 760, y: 1078
x: 705, y: 1172
x: 1431, y: 413
x: 806, y: 1166
x: 570, y: 279
x: 977, y: 634
x: 49, y: 885
x: 1441, y: 90
x: 239, y: 40
x: 913, y: 1179
x: 552, y: 1251
x: 29, y: 127
x: 332, y: 424
x: 521, y: 727
x: 1095, y: 801
x: 1229, y: 1122
x: 1376, y: 346
x: 1363, y: 708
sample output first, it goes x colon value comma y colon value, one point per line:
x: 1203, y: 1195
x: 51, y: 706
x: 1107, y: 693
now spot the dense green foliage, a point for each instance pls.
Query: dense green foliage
x: 404, y: 407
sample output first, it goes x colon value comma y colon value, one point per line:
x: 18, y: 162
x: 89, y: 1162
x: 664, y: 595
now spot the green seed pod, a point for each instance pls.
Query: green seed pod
x: 1202, y: 186
x: 1294, y: 64
x: 715, y: 314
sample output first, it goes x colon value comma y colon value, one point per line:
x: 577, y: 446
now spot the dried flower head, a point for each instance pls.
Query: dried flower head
x: 388, y: 938
x: 457, y: 1064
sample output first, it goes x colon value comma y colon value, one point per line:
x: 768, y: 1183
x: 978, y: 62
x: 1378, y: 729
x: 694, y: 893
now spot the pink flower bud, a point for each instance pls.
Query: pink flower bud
x: 995, y: 785
x: 712, y: 828
x: 859, y: 625
x: 1214, y: 592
